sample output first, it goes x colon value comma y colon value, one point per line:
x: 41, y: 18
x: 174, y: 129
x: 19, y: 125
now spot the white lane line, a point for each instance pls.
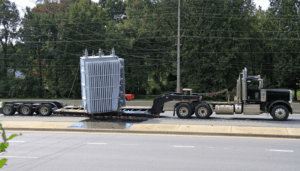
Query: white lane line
x: 97, y: 143
x: 287, y: 151
x: 17, y: 141
x: 129, y: 144
x: 178, y: 146
x: 19, y: 157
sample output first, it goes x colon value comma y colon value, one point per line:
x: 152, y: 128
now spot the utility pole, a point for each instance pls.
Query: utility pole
x: 178, y: 50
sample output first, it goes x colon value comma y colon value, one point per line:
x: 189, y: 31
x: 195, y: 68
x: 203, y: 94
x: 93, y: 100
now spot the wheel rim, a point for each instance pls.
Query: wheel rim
x: 183, y: 111
x: 202, y: 111
x: 44, y: 110
x: 6, y: 110
x: 280, y: 113
x: 25, y: 110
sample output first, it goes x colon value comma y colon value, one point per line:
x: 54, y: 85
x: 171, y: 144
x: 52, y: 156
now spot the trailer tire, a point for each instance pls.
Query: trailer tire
x: 26, y: 110
x: 9, y: 109
x: 184, y: 111
x: 202, y: 111
x: 45, y: 110
x: 280, y: 113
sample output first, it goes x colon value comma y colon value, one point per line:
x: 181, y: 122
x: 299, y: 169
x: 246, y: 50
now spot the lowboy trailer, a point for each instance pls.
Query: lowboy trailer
x: 248, y: 101
x: 251, y: 97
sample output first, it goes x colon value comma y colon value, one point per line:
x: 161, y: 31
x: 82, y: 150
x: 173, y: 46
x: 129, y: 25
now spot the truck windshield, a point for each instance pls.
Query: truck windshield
x: 252, y: 84
x: 257, y: 84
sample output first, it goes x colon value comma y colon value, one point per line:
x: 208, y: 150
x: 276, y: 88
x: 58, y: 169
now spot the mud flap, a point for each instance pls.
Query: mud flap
x: 174, y: 111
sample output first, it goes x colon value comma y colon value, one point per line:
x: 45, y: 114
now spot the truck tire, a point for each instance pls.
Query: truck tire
x: 202, y: 111
x: 26, y: 110
x: 9, y: 109
x: 280, y: 113
x: 45, y: 110
x: 184, y: 111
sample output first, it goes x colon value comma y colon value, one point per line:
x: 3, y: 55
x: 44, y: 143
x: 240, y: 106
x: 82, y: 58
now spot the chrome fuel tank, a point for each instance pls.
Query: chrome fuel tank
x: 224, y: 109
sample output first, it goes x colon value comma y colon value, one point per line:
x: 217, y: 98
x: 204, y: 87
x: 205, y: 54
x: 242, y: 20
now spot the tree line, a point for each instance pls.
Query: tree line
x: 39, y: 53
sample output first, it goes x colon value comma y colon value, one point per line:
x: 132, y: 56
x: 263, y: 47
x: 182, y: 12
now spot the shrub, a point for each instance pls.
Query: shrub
x: 5, y: 144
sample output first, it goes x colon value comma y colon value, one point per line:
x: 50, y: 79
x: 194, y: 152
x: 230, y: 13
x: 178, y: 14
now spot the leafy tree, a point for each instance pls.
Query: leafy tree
x: 9, y: 20
x: 115, y: 8
x: 287, y: 62
x: 213, y: 34
x: 83, y: 27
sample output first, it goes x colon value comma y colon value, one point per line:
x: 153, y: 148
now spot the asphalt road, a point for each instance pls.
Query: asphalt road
x: 263, y: 120
x: 64, y: 152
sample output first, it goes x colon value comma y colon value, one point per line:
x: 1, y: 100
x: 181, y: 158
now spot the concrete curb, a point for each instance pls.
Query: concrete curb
x: 154, y: 132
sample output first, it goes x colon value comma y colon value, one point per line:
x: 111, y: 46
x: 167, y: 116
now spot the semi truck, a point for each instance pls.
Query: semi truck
x: 251, y: 99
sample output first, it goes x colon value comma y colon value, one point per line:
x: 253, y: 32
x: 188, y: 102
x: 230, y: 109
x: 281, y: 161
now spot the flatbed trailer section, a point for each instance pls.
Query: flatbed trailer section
x: 46, y: 108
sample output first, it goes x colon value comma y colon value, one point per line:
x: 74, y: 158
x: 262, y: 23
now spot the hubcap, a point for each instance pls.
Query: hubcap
x: 6, y: 110
x: 280, y: 113
x: 202, y: 111
x: 44, y: 110
x: 183, y: 111
x: 25, y: 110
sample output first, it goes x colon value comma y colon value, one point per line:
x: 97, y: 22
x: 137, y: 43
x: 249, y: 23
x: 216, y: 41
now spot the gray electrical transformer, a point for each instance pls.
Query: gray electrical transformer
x: 102, y: 83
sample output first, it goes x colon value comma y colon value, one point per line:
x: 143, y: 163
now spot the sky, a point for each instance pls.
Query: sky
x: 21, y: 4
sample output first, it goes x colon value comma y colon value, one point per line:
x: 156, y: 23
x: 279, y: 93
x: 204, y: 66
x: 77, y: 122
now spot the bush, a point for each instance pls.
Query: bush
x: 5, y: 144
x: 217, y: 97
x: 153, y: 88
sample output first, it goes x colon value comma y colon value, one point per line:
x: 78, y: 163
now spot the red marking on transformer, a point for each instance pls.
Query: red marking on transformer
x: 124, y: 117
x: 195, y: 100
x: 61, y: 114
x: 132, y: 117
x: 176, y: 99
x: 70, y: 115
x: 116, y: 116
x: 185, y: 100
x: 84, y: 115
